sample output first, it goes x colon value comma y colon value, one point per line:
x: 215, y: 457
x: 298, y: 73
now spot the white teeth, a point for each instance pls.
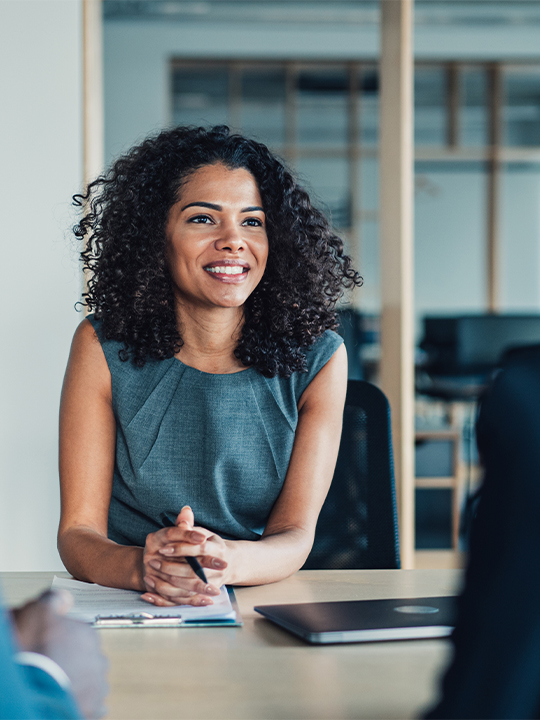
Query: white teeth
x: 226, y: 269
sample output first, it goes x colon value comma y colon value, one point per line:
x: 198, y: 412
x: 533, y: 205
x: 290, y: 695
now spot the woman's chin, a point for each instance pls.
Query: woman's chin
x: 230, y: 296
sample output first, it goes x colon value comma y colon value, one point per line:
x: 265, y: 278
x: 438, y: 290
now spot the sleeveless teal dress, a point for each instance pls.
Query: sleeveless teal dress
x: 219, y: 443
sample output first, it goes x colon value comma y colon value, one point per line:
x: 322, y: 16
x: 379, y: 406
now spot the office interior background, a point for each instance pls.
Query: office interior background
x: 302, y: 77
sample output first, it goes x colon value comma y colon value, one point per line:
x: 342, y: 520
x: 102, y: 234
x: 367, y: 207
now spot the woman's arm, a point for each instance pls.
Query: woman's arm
x: 87, y: 447
x: 87, y: 450
x: 289, y: 534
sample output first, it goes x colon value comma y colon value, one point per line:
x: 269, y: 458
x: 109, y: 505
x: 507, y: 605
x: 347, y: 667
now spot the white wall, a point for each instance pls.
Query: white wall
x: 40, y: 147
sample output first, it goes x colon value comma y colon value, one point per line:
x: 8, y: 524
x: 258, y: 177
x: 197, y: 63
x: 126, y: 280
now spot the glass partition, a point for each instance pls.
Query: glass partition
x: 521, y: 106
x: 322, y: 104
x: 201, y: 96
x: 368, y: 96
x: 473, y: 107
x: 430, y: 106
x: 328, y: 178
x: 262, y: 113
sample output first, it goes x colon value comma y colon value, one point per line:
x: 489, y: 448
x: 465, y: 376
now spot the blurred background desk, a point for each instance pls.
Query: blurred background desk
x: 260, y: 671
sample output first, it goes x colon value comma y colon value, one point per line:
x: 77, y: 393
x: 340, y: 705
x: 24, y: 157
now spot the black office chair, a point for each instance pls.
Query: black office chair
x: 357, y: 527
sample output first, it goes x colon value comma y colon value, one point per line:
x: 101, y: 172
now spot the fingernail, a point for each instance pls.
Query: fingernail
x: 166, y: 550
x: 211, y: 590
x: 217, y: 563
x: 150, y: 582
x: 205, y: 601
x: 186, y: 507
x: 155, y: 564
x: 197, y: 537
x: 148, y: 598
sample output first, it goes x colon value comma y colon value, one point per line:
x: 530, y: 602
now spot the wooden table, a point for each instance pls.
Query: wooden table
x: 260, y: 671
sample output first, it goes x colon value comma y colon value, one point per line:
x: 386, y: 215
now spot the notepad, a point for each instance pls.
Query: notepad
x: 111, y: 607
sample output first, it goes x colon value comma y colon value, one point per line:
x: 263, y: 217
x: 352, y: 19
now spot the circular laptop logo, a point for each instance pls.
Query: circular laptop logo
x: 417, y: 609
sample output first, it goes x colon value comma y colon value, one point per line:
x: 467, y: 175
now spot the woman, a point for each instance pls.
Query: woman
x: 208, y: 385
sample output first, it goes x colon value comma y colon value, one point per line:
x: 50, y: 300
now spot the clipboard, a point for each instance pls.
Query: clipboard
x: 152, y: 620
x: 106, y: 607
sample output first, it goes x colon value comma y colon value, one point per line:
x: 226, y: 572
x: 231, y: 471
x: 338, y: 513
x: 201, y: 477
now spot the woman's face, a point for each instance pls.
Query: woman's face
x: 216, y: 235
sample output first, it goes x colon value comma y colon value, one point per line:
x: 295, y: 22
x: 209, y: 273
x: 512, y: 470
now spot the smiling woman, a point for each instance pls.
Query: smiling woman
x: 202, y: 403
x: 217, y: 257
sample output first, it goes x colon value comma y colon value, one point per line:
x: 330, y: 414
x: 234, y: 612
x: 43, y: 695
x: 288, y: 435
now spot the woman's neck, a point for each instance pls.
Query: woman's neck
x: 210, y: 337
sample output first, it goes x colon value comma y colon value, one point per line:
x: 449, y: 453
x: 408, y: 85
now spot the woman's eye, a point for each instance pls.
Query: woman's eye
x: 200, y: 219
x: 252, y: 222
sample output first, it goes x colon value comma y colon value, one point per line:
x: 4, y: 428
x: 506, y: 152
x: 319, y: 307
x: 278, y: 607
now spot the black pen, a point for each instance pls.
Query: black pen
x: 196, y: 566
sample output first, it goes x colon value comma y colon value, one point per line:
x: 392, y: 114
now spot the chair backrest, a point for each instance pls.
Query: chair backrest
x: 357, y: 527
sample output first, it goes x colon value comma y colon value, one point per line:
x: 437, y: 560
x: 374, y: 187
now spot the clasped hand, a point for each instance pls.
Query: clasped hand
x: 168, y: 578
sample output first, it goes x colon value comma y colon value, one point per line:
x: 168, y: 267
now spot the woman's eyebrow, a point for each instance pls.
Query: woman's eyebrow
x: 252, y: 208
x: 203, y: 204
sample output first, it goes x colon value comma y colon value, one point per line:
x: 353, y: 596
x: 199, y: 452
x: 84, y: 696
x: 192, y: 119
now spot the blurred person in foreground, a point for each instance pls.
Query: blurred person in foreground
x: 51, y: 667
x: 495, y: 671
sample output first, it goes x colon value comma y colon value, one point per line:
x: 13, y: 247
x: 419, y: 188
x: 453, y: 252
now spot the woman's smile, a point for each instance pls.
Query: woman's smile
x: 228, y: 271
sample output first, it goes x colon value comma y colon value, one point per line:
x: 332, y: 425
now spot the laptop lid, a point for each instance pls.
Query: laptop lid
x: 365, y: 620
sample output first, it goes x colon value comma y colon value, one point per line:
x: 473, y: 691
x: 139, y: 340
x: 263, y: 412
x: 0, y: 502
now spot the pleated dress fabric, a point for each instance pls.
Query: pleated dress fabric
x: 219, y: 443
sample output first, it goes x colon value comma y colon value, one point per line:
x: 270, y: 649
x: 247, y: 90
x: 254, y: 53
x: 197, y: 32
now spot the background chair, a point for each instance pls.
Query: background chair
x: 461, y: 354
x: 357, y: 527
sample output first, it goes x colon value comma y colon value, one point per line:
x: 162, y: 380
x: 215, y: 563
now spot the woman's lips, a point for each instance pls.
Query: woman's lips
x: 228, y: 273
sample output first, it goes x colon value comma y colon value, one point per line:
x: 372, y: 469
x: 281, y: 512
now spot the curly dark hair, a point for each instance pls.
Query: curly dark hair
x: 130, y: 288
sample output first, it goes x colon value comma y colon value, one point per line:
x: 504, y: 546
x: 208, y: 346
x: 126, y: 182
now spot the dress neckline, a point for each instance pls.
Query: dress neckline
x: 220, y: 375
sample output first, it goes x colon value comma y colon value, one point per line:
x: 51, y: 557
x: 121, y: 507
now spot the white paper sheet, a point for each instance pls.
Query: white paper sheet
x: 93, y: 601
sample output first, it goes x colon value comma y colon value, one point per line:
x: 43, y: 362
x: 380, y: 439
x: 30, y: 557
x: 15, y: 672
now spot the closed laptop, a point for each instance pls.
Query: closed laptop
x: 365, y: 620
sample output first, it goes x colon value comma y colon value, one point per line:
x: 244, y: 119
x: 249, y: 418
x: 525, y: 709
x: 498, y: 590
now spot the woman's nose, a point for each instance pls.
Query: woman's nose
x: 230, y: 239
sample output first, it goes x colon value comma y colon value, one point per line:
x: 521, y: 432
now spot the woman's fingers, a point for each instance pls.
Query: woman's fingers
x: 194, y: 592
x: 182, y: 548
x: 169, y: 579
x: 160, y: 601
x: 181, y: 569
x: 180, y: 541
x: 177, y: 535
x: 177, y: 568
x: 185, y: 517
x: 210, y: 561
x: 178, y: 584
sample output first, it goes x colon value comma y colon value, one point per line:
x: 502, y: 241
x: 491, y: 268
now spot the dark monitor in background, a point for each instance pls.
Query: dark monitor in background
x: 474, y: 344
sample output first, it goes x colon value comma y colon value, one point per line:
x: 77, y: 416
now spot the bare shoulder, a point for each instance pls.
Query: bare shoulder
x: 86, y: 342
x: 329, y: 385
x: 85, y: 335
x: 86, y: 358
